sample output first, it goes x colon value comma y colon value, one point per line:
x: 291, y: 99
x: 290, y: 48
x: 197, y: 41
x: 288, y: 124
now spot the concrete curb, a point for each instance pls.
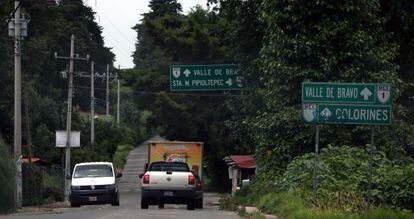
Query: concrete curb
x: 252, y: 210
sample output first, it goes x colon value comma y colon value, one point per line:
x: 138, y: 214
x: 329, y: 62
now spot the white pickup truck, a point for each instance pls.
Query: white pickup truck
x: 171, y: 183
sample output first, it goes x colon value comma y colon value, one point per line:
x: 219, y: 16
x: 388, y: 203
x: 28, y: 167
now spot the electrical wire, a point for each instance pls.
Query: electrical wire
x: 162, y: 92
x: 113, y: 25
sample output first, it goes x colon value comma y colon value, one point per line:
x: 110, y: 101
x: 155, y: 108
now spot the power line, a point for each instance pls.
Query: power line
x: 112, y: 24
x: 167, y: 93
x: 121, y: 48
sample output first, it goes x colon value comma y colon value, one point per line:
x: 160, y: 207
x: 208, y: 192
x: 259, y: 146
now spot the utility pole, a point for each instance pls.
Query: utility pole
x: 107, y: 92
x: 92, y: 103
x: 18, y: 104
x: 17, y: 29
x: 92, y: 76
x: 28, y: 133
x: 108, y: 75
x: 118, y: 99
x: 69, y: 112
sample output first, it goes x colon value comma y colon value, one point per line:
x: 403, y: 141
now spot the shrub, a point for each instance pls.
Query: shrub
x: 32, y: 187
x: 120, y: 156
x: 52, y: 187
x: 7, y: 170
x: 342, y: 180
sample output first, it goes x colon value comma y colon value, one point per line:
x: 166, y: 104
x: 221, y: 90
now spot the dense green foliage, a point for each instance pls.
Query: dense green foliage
x: 45, y: 90
x: 7, y: 169
x: 342, y: 179
x: 292, y: 206
x: 338, y: 42
x: 165, y: 37
x: 121, y: 153
x: 279, y: 44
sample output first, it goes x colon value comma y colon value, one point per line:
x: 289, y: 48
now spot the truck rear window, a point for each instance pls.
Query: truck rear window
x: 169, y: 166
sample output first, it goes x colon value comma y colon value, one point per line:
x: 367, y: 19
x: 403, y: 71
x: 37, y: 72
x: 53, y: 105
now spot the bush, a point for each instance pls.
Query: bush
x: 7, y: 179
x: 342, y: 180
x: 32, y: 187
x: 52, y: 187
x: 120, y: 156
x: 290, y: 205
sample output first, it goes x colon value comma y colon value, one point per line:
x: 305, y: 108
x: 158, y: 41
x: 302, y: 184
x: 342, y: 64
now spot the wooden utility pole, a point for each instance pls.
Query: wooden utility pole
x: 69, y: 112
x: 28, y: 133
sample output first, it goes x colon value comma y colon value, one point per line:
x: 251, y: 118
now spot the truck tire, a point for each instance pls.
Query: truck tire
x: 144, y: 203
x: 191, y: 204
x: 161, y: 205
x: 116, y: 201
x: 199, y: 203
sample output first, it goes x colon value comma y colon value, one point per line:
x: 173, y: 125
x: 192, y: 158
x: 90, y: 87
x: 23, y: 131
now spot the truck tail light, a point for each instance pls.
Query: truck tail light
x: 199, y: 185
x: 191, y: 180
x: 146, y: 179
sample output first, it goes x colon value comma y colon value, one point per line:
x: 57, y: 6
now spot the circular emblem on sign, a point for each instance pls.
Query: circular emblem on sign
x: 176, y: 72
x: 92, y: 187
x: 383, y: 93
x: 309, y: 112
x: 168, y: 179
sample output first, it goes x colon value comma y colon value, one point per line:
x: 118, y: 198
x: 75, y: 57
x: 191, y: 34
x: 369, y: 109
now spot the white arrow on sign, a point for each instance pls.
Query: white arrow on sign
x: 187, y: 72
x: 366, y: 93
x: 326, y: 113
x: 229, y: 82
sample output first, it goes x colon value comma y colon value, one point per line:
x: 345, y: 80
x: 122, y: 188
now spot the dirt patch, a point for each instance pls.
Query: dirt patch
x: 52, y: 207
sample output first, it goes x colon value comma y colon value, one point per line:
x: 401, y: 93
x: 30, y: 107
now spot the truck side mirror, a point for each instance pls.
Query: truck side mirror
x: 118, y: 175
x: 141, y: 175
x: 68, y: 177
x: 146, y: 167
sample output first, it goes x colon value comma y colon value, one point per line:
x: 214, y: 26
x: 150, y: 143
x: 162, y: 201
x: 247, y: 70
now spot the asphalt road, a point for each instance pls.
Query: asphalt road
x: 130, y: 201
x: 130, y: 208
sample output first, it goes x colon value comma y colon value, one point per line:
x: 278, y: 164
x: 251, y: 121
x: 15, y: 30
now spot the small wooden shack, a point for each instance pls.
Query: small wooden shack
x: 240, y: 167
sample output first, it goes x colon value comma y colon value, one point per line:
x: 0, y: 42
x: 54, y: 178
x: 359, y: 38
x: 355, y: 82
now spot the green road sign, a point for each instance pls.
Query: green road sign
x: 324, y: 113
x: 206, y: 77
x: 320, y: 92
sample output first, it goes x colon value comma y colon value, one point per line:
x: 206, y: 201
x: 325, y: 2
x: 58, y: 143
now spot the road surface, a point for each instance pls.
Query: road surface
x: 130, y: 201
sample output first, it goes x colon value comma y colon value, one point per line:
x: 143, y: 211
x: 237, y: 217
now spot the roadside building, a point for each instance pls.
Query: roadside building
x: 240, y: 168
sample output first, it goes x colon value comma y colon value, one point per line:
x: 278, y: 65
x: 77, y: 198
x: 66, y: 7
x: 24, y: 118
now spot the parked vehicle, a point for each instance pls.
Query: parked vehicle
x: 171, y: 183
x: 94, y: 183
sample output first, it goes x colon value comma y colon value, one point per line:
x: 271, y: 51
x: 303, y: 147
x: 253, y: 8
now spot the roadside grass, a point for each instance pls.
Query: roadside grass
x: 289, y: 205
x: 52, y: 188
x: 120, y: 156
x: 7, y: 170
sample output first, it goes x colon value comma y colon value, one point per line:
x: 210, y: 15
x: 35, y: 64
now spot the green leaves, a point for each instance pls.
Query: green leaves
x: 342, y: 179
x: 7, y: 174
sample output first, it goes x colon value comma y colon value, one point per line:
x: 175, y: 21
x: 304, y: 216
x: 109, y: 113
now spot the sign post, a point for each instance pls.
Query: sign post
x: 206, y: 77
x: 370, y: 166
x: 315, y: 163
x: 348, y: 104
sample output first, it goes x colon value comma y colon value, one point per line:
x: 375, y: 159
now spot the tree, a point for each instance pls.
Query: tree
x: 316, y: 41
x: 7, y: 170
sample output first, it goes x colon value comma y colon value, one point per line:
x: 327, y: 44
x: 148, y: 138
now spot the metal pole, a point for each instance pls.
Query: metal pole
x: 118, y: 100
x: 315, y: 164
x: 370, y: 166
x: 28, y: 134
x: 92, y: 103
x: 69, y: 118
x: 17, y: 105
x: 107, y: 93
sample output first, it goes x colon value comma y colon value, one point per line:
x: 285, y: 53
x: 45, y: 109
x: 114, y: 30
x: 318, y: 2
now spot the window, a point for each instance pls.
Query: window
x: 169, y: 166
x: 101, y: 170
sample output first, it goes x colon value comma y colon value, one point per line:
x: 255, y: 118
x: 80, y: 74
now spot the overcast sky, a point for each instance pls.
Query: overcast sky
x: 117, y: 18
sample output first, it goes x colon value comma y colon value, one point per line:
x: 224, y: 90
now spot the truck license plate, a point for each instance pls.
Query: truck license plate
x: 169, y: 193
x: 92, y: 198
